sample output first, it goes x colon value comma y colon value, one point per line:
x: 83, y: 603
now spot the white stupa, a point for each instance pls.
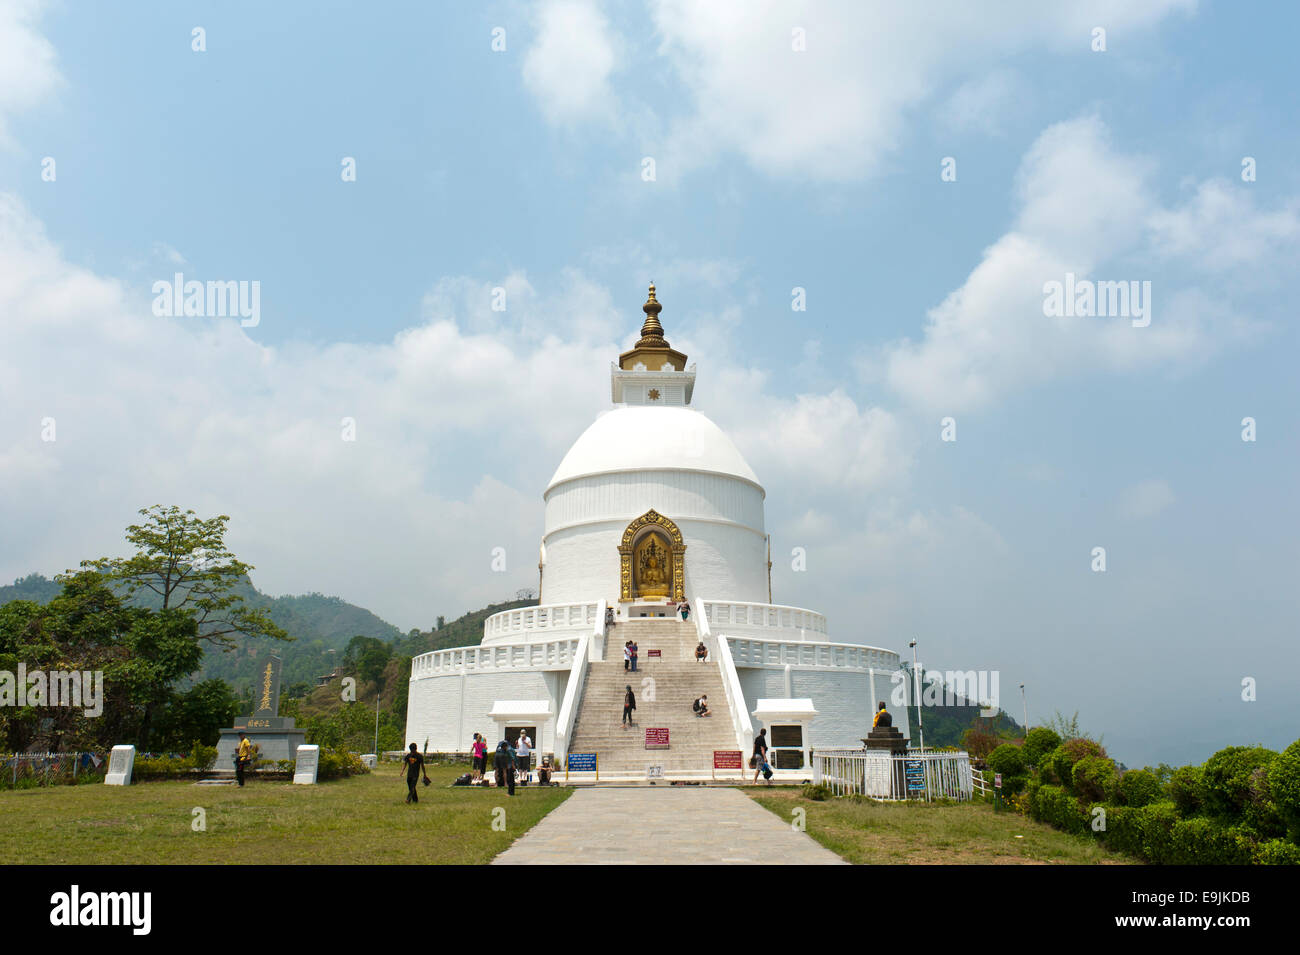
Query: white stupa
x: 654, y: 506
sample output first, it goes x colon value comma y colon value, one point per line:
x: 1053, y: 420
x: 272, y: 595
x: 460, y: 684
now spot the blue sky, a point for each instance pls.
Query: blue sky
x: 775, y: 168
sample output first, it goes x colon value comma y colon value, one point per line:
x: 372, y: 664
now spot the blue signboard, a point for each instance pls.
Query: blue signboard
x: 914, y: 773
x: 582, y: 763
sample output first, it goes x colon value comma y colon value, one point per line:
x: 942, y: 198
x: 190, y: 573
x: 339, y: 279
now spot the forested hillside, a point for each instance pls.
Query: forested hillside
x: 318, y: 624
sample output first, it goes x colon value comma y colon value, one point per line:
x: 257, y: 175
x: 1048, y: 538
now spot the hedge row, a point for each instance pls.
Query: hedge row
x: 1155, y: 833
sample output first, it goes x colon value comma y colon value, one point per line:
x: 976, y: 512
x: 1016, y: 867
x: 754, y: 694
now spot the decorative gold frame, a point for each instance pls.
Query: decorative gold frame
x: 652, y: 519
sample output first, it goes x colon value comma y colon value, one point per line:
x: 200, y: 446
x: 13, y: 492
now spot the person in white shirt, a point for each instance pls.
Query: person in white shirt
x: 523, y: 747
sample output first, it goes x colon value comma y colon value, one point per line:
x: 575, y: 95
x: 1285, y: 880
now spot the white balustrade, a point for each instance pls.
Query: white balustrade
x: 757, y: 652
x: 577, y: 618
x: 557, y: 654
x: 732, y: 616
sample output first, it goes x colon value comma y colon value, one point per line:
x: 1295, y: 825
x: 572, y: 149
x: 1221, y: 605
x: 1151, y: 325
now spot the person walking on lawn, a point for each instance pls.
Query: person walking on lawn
x: 414, y: 763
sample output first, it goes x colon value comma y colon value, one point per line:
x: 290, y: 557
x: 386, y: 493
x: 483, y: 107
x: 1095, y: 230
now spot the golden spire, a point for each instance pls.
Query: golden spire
x: 652, y: 333
x: 651, y: 350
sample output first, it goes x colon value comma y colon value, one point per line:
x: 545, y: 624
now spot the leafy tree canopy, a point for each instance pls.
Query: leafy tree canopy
x: 183, y: 561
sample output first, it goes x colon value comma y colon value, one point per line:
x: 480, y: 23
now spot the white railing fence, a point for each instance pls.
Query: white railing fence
x: 926, y: 776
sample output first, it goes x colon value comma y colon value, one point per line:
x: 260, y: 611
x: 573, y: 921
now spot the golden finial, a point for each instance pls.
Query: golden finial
x: 652, y: 329
x: 651, y: 351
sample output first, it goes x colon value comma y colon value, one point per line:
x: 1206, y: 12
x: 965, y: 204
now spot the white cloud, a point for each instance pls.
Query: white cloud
x: 1221, y: 229
x: 982, y: 102
x: 569, y: 65
x: 459, y: 421
x: 1145, y: 499
x: 28, y: 72
x: 1084, y: 208
x: 837, y: 109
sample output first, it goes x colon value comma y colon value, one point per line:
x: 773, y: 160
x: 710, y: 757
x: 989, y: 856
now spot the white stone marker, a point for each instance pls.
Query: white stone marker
x: 370, y: 760
x: 304, y: 769
x: 121, y: 762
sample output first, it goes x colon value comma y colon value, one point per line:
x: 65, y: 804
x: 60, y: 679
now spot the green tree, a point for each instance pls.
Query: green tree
x: 183, y: 561
x: 140, y: 654
x: 198, y: 714
x: 369, y: 656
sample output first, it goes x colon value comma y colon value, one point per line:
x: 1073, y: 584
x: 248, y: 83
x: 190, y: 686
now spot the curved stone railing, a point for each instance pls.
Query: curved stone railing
x: 576, y: 618
x: 556, y: 654
x: 734, y: 617
x: 757, y: 652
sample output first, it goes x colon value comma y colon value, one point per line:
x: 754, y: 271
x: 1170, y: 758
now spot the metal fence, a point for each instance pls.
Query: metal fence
x: 20, y: 770
x: 915, y: 775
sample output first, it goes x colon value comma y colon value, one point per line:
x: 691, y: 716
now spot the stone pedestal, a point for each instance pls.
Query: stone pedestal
x: 277, y: 741
x: 886, y: 739
x: 275, y: 736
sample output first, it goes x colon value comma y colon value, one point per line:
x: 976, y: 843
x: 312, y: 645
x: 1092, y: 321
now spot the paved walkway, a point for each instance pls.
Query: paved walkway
x: 664, y: 825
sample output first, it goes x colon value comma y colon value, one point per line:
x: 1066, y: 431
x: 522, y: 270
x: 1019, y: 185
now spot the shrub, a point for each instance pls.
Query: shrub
x: 1056, y: 807
x: 1144, y: 832
x: 1039, y: 742
x: 1063, y: 758
x: 1279, y: 852
x: 1201, y: 841
x: 1139, y: 787
x: 1010, y: 784
x: 202, y: 757
x: 1008, y: 760
x: 978, y: 743
x: 816, y: 792
x: 1284, y: 786
x: 1186, y: 787
x: 1095, y: 779
x: 338, y: 763
x: 1229, y: 778
x: 1236, y: 788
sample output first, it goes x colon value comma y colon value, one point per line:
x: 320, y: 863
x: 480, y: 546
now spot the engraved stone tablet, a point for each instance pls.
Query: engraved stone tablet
x: 304, y: 769
x: 120, y: 764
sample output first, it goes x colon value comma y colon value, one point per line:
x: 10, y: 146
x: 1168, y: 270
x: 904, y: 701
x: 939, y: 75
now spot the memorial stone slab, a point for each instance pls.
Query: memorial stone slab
x: 121, y: 763
x: 308, y: 761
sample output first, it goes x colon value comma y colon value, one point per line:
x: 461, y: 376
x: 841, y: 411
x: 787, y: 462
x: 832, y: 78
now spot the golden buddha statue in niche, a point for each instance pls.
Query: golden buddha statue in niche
x: 652, y: 568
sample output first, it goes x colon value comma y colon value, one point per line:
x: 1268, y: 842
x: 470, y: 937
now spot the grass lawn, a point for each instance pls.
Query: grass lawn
x: 362, y: 819
x: 866, y: 832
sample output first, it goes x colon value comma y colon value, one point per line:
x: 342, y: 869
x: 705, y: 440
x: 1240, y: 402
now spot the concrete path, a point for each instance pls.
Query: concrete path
x: 668, y: 825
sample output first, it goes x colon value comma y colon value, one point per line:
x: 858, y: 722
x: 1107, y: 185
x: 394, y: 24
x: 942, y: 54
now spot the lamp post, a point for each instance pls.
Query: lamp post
x: 1025, y: 703
x: 916, y: 689
x: 376, y: 722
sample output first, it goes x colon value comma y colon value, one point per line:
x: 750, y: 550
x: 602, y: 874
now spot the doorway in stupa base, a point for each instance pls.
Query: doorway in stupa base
x: 652, y: 560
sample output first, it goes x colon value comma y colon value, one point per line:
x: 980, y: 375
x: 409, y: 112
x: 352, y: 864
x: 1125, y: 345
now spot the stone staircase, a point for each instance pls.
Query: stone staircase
x: 678, y: 680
